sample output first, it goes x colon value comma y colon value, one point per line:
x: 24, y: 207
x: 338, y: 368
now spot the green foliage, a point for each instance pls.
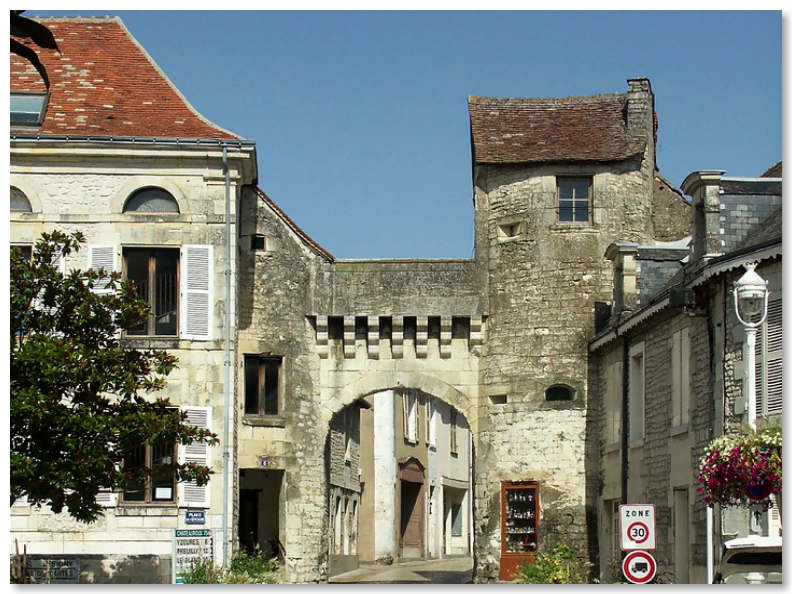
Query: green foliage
x: 79, y: 397
x: 243, y: 569
x: 560, y: 566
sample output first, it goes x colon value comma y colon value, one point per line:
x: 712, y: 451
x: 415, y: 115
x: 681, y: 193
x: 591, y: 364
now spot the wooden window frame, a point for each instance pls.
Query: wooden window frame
x: 589, y: 200
x: 261, y: 401
x: 148, y: 493
x: 151, y: 324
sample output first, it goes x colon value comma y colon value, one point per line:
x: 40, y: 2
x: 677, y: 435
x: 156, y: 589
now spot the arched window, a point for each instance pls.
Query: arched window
x: 154, y: 200
x: 19, y: 202
x: 559, y: 393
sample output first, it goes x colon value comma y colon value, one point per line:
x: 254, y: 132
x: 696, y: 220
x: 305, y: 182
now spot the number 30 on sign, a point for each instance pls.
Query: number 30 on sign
x: 637, y: 527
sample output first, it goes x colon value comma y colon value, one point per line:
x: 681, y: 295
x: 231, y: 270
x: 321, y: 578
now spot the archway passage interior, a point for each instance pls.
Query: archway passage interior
x: 399, y: 467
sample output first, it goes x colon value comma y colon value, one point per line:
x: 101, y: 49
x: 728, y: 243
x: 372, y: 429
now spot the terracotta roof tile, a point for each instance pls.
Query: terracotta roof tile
x: 105, y: 84
x: 583, y: 129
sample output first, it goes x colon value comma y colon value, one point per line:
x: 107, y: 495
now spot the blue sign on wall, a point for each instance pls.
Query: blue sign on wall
x: 195, y: 516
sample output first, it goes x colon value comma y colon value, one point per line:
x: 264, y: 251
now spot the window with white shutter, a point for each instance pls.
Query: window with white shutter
x: 21, y: 501
x: 410, y: 402
x: 680, y: 376
x: 769, y: 363
x: 190, y: 494
x: 107, y: 498
x: 197, y: 266
x: 103, y: 257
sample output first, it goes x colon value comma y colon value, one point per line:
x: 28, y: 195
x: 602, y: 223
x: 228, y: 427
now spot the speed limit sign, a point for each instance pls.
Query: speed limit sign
x: 637, y: 527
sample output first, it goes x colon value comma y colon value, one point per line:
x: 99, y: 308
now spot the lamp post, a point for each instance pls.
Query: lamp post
x: 750, y: 300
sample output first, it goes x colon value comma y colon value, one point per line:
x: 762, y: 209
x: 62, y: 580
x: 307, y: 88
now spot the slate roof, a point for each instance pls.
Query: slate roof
x: 103, y: 83
x: 571, y: 129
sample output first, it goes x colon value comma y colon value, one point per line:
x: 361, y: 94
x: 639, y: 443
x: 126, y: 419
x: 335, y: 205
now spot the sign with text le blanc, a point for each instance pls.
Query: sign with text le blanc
x: 190, y: 546
x: 637, y: 527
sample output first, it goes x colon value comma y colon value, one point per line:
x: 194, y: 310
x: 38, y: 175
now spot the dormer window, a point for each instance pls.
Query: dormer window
x: 27, y: 109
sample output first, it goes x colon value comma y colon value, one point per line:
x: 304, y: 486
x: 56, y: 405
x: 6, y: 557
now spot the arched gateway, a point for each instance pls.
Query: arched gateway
x: 399, y: 475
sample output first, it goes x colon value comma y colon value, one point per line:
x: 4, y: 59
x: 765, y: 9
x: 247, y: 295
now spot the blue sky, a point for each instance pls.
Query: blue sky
x: 361, y: 121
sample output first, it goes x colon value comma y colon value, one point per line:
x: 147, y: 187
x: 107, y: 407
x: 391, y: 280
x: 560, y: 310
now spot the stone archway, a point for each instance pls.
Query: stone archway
x: 406, y: 476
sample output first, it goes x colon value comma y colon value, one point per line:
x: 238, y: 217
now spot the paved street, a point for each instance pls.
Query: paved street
x: 456, y: 570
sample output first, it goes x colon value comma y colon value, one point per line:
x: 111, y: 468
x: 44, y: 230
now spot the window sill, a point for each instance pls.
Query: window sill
x: 263, y: 420
x: 679, y: 429
x: 612, y: 447
x: 586, y: 227
x: 147, y: 509
x: 511, y: 238
x: 634, y: 445
x: 151, y: 342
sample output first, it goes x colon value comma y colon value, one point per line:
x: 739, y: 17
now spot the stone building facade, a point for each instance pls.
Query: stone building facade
x: 323, y: 352
x: 152, y: 207
x: 668, y: 371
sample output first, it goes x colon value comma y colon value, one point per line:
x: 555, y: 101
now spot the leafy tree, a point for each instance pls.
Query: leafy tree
x: 25, y: 28
x: 80, y: 399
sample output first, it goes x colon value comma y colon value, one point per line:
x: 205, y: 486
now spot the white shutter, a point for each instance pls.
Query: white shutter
x: 190, y: 494
x: 684, y: 367
x: 773, y: 356
x: 103, y: 257
x: 676, y: 379
x: 107, y: 498
x: 196, y: 306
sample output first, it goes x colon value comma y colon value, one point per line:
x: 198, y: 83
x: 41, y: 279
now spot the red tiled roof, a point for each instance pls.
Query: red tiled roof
x: 103, y: 83
x: 552, y: 130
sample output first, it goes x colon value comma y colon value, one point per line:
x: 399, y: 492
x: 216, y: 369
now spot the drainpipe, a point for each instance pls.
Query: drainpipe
x: 625, y: 433
x: 227, y: 367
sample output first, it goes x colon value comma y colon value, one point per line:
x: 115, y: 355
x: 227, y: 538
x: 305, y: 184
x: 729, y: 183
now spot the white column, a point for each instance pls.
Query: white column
x: 384, y: 475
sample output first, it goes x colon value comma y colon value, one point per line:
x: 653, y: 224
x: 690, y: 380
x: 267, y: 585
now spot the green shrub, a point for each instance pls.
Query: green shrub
x: 243, y: 569
x: 561, y: 566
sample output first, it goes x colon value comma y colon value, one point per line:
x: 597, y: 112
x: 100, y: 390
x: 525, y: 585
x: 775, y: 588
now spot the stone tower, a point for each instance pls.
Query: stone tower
x: 555, y: 182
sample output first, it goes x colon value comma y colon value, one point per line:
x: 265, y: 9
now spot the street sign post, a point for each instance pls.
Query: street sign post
x: 637, y: 527
x: 639, y: 567
x: 190, y: 546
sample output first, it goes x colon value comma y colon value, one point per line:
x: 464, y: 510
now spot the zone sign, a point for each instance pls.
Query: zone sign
x: 637, y: 527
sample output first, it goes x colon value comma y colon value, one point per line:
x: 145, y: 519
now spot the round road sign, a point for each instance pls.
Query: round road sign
x: 638, y: 532
x: 639, y: 567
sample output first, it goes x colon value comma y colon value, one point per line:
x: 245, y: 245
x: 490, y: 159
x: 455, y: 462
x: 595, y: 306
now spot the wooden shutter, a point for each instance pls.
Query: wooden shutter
x: 196, y: 306
x: 103, y: 256
x: 684, y: 367
x: 190, y: 494
x: 769, y: 363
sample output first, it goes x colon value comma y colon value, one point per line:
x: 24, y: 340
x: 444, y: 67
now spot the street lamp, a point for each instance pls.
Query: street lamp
x: 750, y: 300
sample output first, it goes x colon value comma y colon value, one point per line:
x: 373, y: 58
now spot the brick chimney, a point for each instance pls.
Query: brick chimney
x: 625, y: 287
x: 704, y: 188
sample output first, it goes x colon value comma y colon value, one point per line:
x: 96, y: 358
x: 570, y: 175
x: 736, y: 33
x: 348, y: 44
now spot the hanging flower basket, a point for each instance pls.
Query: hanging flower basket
x: 742, y: 469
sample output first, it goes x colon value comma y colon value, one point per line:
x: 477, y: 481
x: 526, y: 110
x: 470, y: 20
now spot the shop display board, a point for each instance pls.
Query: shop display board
x: 519, y: 526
